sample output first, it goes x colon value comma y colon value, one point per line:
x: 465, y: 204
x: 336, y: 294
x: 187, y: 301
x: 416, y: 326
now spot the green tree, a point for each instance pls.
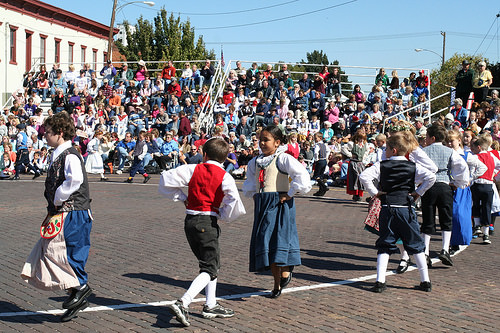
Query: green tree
x: 167, y: 38
x: 315, y: 57
x: 443, y: 78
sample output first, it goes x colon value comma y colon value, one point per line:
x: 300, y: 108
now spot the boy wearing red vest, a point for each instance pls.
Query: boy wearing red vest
x: 212, y: 194
x: 482, y: 189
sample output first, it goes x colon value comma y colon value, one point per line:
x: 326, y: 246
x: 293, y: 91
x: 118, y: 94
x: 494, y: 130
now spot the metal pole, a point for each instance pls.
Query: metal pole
x: 111, y: 28
x: 443, y: 33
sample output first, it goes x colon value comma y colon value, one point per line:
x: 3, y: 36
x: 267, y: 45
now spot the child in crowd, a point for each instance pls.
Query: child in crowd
x: 212, y: 194
x: 314, y: 125
x: 140, y: 151
x: 321, y: 153
x: 22, y: 158
x: 94, y: 163
x: 8, y: 164
x: 397, y: 178
x: 452, y: 171
x: 59, y: 262
x: 293, y: 148
x: 461, y: 233
x: 275, y: 242
x: 482, y: 188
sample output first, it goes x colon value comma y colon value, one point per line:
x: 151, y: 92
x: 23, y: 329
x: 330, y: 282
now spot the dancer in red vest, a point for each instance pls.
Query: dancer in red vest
x: 212, y: 194
x: 482, y: 189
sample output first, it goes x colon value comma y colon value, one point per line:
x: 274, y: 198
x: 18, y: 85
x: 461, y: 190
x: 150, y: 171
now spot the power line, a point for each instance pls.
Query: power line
x: 224, y: 13
x: 330, y: 40
x: 492, y: 23
x: 278, y: 19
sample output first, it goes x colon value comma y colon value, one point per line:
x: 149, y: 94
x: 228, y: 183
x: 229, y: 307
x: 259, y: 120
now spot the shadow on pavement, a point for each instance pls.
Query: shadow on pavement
x: 31, y: 319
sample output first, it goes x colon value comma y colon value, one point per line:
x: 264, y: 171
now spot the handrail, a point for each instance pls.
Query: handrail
x: 412, y: 108
x: 36, y: 61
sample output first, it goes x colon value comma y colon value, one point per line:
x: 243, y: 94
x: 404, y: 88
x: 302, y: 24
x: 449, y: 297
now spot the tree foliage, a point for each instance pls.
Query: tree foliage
x: 166, y: 38
x: 444, y: 77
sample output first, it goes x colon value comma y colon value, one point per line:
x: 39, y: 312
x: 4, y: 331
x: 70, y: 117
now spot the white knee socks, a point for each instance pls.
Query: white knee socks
x: 486, y: 230
x: 382, y: 262
x: 422, y: 266
x: 210, y: 294
x: 427, y: 241
x: 404, y: 254
x: 200, y: 282
x: 446, y: 240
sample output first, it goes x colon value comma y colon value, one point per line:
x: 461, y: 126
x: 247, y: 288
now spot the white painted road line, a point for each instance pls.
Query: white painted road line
x: 227, y: 297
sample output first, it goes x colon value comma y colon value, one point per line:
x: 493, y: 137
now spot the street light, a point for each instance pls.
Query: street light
x: 116, y: 9
x: 440, y: 56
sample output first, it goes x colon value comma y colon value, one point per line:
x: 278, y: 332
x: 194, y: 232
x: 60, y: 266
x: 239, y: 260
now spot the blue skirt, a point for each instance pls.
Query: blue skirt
x: 77, y: 227
x: 274, y: 235
x: 461, y: 231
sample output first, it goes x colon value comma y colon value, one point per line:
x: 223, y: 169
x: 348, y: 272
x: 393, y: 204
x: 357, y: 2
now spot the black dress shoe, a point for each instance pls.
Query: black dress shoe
x: 275, y: 293
x: 403, y: 266
x: 285, y: 281
x: 77, y: 297
x: 425, y: 286
x: 379, y: 287
x: 445, y: 258
x: 71, y: 313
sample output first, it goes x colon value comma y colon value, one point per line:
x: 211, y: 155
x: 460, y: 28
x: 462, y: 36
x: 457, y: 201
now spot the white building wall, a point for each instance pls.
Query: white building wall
x: 12, y: 74
x: 122, y: 33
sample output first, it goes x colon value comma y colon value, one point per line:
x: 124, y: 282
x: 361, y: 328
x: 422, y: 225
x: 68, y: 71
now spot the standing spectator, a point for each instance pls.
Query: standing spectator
x: 141, y: 74
x: 394, y: 81
x: 482, y: 82
x: 464, y: 79
x: 206, y: 74
x: 108, y: 71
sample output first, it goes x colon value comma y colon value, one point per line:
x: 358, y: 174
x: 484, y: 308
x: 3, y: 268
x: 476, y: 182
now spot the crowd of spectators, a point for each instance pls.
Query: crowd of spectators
x: 121, y: 102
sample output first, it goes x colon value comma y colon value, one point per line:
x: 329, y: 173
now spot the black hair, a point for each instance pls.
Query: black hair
x: 276, y: 133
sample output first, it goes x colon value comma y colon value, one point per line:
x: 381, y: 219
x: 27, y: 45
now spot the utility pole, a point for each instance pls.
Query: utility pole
x: 111, y: 28
x: 443, y: 33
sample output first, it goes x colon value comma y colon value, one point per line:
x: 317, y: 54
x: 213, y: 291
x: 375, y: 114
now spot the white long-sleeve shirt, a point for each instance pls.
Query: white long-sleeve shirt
x: 72, y: 171
x: 301, y: 180
x: 419, y: 156
x: 497, y: 168
x: 476, y: 167
x: 423, y: 176
x: 173, y: 181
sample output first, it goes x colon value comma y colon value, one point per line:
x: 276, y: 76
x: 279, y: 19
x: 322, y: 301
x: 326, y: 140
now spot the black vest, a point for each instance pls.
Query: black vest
x: 397, y: 179
x: 79, y: 200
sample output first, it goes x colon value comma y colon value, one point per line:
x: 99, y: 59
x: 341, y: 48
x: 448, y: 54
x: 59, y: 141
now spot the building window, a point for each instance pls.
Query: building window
x: 12, y: 45
x: 29, y: 48
x: 43, y: 47
x: 94, y: 59
x: 57, y: 55
x: 82, y: 54
x: 70, y: 52
x: 105, y: 57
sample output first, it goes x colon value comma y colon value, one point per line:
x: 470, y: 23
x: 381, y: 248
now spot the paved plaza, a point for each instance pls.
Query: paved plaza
x: 140, y: 261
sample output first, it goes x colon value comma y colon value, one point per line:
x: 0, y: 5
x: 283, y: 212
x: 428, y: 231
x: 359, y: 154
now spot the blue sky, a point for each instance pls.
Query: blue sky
x: 359, y: 33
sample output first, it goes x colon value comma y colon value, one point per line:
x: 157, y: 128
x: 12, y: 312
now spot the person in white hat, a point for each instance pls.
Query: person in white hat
x: 482, y: 82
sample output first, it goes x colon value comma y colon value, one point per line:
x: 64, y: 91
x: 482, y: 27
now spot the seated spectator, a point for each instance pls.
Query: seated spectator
x: 168, y: 151
x: 195, y: 79
x: 317, y: 105
x: 290, y: 123
x: 114, y: 101
x: 421, y: 89
x: 206, y: 74
x: 327, y: 131
x: 231, y: 162
x: 135, y: 122
x: 186, y: 76
x: 194, y: 156
x: 228, y: 96
x: 174, y: 89
x: 133, y: 102
x: 168, y: 73
x: 231, y: 119
x: 43, y: 87
x: 124, y: 150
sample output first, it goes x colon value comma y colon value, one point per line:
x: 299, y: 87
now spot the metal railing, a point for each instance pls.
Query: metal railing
x: 428, y: 115
x: 35, y: 62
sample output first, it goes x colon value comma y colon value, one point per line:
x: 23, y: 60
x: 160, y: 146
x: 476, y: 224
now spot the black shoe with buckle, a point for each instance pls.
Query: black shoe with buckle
x: 445, y: 258
x: 146, y: 179
x: 403, y: 266
x: 71, y: 313
x: 275, y: 293
x: 379, y: 287
x: 77, y: 297
x: 218, y: 311
x: 180, y: 312
x: 425, y: 286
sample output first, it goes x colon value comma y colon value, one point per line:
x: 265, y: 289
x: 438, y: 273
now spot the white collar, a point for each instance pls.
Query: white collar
x: 62, y: 147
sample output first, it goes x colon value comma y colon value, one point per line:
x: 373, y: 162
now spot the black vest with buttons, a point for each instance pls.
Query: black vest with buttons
x: 79, y: 200
x: 397, y: 179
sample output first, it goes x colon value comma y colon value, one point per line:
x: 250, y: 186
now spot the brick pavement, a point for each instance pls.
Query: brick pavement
x: 139, y: 255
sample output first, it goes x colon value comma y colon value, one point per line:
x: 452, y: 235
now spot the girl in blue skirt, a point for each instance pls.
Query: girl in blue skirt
x: 273, y: 178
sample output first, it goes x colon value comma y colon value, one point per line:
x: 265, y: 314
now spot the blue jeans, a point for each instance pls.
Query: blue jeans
x: 122, y: 157
x: 204, y: 81
x: 146, y: 160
